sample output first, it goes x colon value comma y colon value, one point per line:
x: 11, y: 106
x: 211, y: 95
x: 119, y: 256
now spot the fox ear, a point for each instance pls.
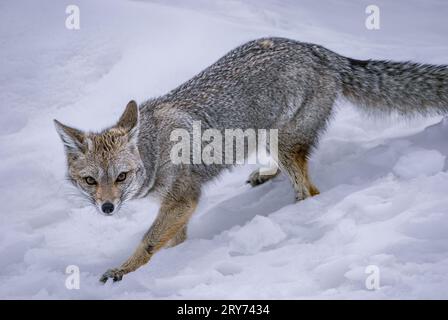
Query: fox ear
x: 129, y: 120
x: 73, y: 139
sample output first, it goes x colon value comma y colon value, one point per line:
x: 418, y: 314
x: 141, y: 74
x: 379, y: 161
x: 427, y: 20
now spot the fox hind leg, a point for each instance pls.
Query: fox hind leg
x: 304, y: 165
x: 295, y: 165
x: 298, y: 137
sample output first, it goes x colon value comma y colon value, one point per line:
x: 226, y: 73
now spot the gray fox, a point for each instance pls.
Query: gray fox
x: 266, y: 83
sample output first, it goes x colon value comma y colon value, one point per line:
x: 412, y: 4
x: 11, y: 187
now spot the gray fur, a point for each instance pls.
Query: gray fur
x: 284, y: 84
x: 270, y: 83
x: 404, y: 87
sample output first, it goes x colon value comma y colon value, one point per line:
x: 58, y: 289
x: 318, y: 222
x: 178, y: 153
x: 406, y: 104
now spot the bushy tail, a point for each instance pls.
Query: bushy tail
x: 405, y: 87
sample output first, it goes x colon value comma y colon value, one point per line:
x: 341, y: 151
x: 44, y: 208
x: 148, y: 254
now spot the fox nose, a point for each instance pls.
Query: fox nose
x: 107, y: 207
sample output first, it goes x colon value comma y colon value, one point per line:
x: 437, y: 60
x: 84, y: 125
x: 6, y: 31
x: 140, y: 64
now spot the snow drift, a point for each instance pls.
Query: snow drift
x: 383, y: 181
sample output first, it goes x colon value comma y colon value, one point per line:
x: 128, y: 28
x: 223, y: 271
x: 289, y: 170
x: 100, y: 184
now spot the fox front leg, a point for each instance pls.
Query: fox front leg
x: 173, y: 216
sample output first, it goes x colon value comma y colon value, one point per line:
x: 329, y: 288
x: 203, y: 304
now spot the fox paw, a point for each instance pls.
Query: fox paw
x: 256, y: 178
x: 311, y: 191
x: 115, y: 274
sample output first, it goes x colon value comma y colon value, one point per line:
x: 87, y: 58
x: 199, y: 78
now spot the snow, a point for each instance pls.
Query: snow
x: 257, y: 234
x: 420, y: 162
x: 383, y: 180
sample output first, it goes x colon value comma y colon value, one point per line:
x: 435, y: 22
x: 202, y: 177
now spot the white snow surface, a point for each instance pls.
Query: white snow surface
x: 383, y: 180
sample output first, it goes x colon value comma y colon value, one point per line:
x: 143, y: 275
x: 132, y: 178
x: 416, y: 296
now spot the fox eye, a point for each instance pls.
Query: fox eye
x: 90, y: 181
x: 121, y: 177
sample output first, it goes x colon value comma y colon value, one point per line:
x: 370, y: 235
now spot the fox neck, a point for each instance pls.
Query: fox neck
x: 149, y: 152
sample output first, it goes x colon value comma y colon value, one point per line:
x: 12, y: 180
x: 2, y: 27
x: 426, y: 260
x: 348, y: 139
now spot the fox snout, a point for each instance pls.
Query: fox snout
x: 107, y: 198
x: 106, y: 166
x: 107, y: 208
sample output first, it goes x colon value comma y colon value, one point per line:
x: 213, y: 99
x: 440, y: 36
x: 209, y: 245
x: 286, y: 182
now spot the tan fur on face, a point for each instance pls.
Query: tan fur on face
x: 102, y: 146
x: 106, y: 155
x: 106, y: 192
x: 107, y: 143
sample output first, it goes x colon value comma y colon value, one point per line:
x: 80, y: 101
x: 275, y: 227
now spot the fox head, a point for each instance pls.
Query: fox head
x: 106, y: 167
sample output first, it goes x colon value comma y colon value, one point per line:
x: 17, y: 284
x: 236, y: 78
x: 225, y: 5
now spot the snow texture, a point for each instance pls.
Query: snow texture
x: 383, y: 181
